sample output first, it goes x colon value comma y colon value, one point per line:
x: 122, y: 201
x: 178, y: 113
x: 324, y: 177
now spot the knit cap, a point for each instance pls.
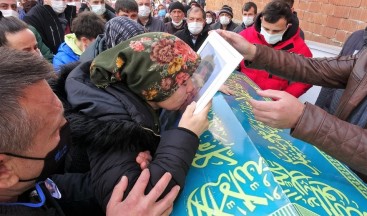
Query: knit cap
x: 152, y: 65
x: 120, y: 29
x: 227, y: 10
x: 176, y: 5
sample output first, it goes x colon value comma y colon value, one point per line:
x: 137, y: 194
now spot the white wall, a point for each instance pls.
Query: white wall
x: 318, y: 50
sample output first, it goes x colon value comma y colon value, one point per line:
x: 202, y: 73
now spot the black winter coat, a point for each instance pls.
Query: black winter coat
x: 113, y: 125
x: 185, y: 35
x: 46, y: 22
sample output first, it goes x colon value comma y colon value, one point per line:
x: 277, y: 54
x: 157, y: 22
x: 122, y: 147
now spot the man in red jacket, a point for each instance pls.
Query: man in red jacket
x: 276, y: 27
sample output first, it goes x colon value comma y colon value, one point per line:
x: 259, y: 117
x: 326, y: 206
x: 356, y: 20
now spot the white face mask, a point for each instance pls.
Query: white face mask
x: 98, y: 9
x: 271, y: 38
x: 9, y: 13
x: 224, y: 20
x: 195, y: 27
x: 144, y: 11
x: 177, y: 23
x: 58, y: 6
x: 209, y: 20
x: 248, y: 20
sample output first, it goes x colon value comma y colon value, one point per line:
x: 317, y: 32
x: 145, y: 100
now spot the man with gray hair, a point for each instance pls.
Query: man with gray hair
x: 196, y: 31
x: 150, y: 24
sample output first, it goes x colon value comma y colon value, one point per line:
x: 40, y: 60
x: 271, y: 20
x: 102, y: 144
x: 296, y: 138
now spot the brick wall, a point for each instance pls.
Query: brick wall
x: 324, y: 21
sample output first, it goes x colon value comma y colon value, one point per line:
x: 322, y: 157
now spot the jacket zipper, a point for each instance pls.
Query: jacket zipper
x: 53, y: 37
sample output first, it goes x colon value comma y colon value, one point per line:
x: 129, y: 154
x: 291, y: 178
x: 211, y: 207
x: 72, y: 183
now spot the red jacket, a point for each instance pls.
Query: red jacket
x: 292, y: 42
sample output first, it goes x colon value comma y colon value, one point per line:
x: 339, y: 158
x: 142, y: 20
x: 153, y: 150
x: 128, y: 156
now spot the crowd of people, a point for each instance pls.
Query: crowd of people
x: 83, y: 84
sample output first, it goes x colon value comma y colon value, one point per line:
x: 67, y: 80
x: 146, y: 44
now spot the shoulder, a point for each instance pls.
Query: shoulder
x: 65, y: 52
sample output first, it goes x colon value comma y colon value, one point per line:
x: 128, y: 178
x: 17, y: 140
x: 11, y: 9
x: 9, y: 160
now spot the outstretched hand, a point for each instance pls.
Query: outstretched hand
x: 246, y: 49
x: 284, y: 112
x: 137, y: 203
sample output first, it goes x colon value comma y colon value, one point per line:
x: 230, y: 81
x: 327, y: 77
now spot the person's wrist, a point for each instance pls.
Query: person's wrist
x: 251, y: 52
x: 298, y: 114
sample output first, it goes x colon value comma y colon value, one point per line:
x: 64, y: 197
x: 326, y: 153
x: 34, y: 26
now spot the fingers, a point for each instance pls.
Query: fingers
x: 141, y: 183
x: 275, y: 94
x: 226, y: 90
x: 167, y: 202
x: 118, y: 191
x: 159, y: 188
x: 189, y: 111
x: 264, y: 106
x: 224, y: 34
x: 207, y: 108
x: 143, y: 159
x: 167, y: 212
x: 143, y: 165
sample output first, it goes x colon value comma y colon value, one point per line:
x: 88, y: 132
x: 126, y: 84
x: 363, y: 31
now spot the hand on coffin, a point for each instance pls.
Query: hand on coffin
x: 283, y: 112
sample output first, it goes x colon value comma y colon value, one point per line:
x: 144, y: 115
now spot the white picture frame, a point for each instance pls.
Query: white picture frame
x: 218, y: 60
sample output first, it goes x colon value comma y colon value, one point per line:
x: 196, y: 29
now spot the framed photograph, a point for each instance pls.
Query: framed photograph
x: 218, y: 60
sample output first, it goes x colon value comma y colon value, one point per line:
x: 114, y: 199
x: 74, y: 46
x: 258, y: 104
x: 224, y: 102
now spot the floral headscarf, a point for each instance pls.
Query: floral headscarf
x: 152, y: 65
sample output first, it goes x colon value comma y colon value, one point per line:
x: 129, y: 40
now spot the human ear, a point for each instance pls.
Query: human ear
x: 7, y: 177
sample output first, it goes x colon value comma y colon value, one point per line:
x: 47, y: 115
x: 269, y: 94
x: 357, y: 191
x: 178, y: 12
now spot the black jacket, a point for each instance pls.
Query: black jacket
x: 230, y: 27
x: 185, y: 35
x: 153, y: 25
x: 107, y: 15
x: 170, y: 28
x: 49, y: 208
x: 113, y: 125
x: 48, y: 25
x: 241, y: 27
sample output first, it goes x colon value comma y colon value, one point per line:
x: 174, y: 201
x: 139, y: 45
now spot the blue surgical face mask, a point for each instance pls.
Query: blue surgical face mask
x: 162, y: 13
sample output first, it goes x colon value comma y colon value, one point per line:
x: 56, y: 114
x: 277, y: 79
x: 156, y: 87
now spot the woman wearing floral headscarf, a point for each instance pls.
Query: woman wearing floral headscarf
x: 122, y: 94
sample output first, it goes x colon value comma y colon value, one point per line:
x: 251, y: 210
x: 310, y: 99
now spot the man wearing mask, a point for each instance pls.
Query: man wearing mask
x: 100, y: 8
x: 210, y: 17
x: 150, y: 24
x: 225, y: 19
x: 276, y: 28
x: 161, y: 13
x: 12, y: 28
x: 31, y: 109
x: 249, y: 13
x: 9, y: 8
x: 177, y: 14
x: 51, y: 21
x: 196, y: 31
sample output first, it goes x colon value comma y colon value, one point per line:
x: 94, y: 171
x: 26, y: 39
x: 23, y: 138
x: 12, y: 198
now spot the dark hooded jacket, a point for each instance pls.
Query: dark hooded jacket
x: 110, y: 127
x: 47, y: 23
